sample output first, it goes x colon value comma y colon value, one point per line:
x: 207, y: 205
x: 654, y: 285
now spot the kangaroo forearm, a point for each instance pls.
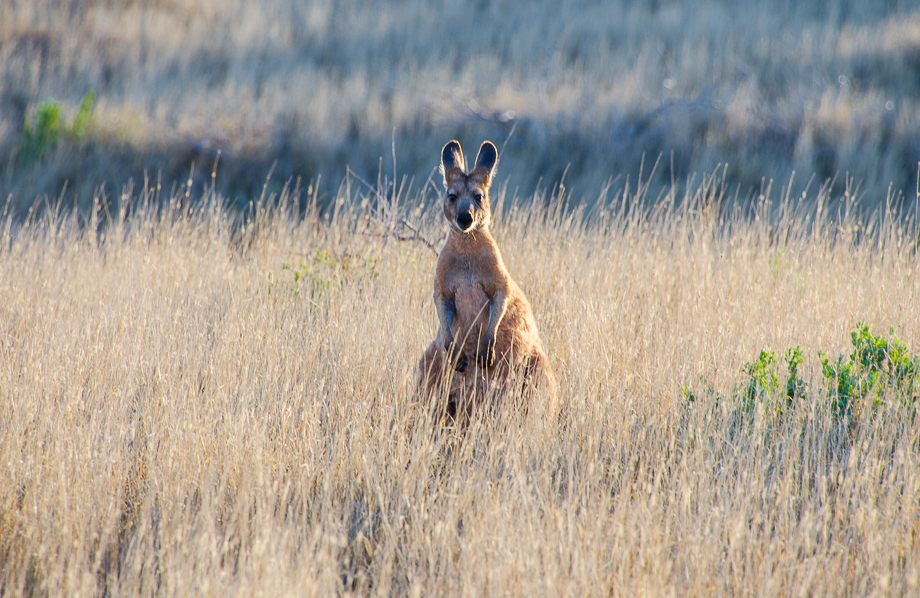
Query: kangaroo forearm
x: 498, y: 305
x: 446, y: 312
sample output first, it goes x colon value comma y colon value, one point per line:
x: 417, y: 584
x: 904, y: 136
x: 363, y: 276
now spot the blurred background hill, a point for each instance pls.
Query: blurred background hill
x: 298, y: 89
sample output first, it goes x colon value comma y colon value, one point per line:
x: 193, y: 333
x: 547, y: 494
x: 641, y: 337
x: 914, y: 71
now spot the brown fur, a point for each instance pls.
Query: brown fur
x: 487, y: 333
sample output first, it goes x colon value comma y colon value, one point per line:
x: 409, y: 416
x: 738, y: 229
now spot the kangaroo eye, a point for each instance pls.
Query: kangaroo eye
x: 451, y: 197
x: 478, y: 196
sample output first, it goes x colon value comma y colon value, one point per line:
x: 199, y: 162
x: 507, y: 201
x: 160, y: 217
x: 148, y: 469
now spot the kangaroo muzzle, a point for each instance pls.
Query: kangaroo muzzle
x: 465, y: 215
x: 464, y: 221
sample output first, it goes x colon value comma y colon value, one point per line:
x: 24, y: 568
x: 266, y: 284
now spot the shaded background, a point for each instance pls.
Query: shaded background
x: 829, y: 90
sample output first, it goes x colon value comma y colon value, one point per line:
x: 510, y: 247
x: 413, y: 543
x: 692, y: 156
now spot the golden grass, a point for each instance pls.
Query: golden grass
x: 179, y: 416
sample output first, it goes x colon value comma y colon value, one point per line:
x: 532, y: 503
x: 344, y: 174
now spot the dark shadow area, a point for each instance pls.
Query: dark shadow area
x: 535, y: 160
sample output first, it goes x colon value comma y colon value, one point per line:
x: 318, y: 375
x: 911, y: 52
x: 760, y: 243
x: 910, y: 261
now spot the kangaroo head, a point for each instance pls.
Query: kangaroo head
x: 466, y: 195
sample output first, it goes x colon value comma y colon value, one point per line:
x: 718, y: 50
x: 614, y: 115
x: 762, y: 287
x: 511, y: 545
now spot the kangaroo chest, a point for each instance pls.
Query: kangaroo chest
x: 465, y: 283
x: 462, y: 275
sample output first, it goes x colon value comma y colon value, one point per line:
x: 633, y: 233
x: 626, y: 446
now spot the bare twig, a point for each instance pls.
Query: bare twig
x: 385, y: 212
x: 380, y: 198
x: 416, y: 236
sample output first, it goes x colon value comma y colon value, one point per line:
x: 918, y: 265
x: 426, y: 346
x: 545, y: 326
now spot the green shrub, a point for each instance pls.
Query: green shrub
x: 795, y: 386
x: 763, y: 386
x: 47, y: 129
x: 762, y: 383
x: 879, y: 369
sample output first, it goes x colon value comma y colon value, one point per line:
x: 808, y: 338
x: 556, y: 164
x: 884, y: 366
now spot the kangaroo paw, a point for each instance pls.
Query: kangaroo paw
x: 486, y: 353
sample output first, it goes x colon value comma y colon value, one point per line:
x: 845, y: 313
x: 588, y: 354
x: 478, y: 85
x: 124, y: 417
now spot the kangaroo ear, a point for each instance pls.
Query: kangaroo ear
x: 486, y: 158
x: 452, y: 157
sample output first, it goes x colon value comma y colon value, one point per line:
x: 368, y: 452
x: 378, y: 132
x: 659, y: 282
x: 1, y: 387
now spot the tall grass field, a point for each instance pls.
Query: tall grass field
x: 219, y: 224
x: 197, y: 401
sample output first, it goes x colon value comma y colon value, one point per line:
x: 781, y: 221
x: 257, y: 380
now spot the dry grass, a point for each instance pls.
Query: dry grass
x: 766, y: 86
x: 180, y: 416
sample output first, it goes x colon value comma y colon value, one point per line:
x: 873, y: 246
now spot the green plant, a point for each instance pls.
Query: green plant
x: 762, y: 383
x: 842, y: 386
x: 47, y: 129
x: 763, y: 386
x: 878, y: 367
x: 83, y: 119
x: 763, y: 389
x: 795, y: 386
x: 324, y: 272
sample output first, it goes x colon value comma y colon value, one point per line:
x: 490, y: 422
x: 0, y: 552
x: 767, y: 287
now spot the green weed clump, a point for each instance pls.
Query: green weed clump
x: 763, y: 382
x: 879, y: 369
x: 321, y: 273
x: 48, y: 129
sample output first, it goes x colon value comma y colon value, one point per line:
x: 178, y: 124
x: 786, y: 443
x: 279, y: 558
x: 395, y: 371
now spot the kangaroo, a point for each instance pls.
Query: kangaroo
x: 487, y: 334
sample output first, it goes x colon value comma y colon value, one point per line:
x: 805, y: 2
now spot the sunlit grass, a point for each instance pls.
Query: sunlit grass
x: 181, y: 414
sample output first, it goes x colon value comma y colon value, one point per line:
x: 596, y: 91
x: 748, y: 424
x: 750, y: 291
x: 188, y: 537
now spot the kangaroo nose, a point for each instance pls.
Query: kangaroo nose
x: 464, y: 220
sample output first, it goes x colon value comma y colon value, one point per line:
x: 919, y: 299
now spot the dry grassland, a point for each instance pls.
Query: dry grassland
x: 767, y: 86
x: 182, y: 415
